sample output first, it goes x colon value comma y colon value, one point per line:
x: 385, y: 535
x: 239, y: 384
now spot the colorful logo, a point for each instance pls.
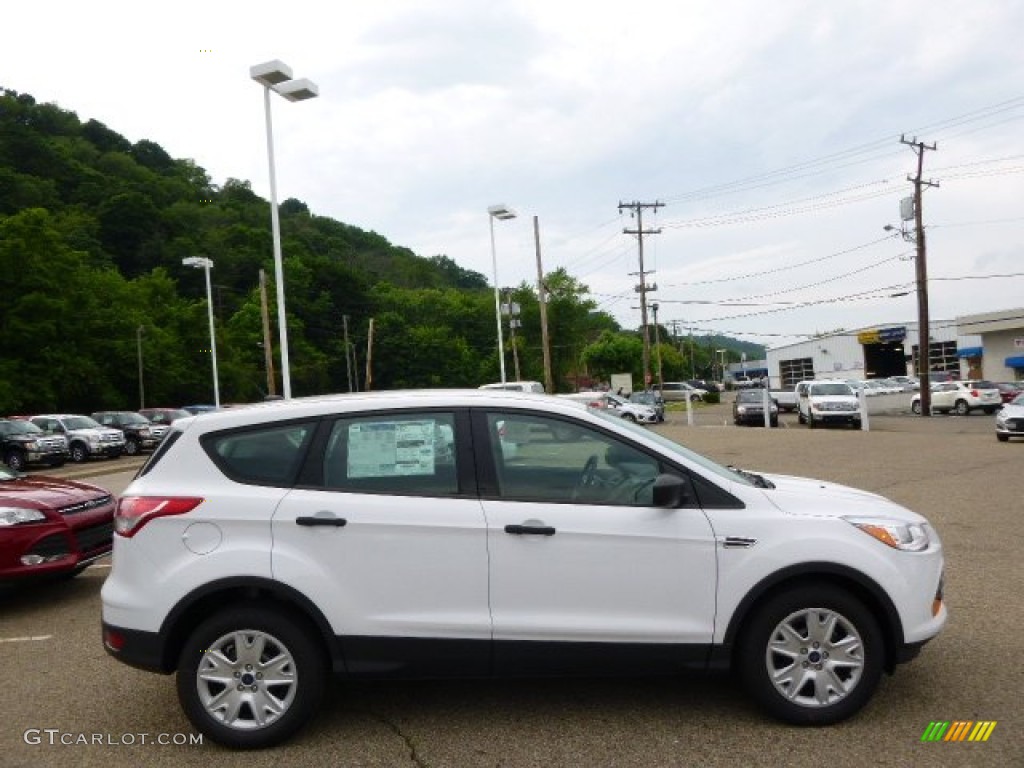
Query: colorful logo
x: 958, y: 730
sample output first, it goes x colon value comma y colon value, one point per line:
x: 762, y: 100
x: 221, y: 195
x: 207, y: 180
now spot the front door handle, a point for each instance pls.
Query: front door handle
x: 530, y: 530
x: 322, y: 518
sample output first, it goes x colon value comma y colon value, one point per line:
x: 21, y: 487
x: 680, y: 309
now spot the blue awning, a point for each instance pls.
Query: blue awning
x: 1015, y: 362
x: 969, y: 352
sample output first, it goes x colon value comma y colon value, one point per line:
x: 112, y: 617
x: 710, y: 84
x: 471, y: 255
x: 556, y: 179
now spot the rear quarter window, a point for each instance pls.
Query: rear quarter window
x: 265, y: 455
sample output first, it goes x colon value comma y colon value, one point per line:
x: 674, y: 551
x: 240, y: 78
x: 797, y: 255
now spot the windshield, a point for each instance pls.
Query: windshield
x: 749, y: 396
x: 831, y: 389
x: 133, y: 418
x: 80, y: 422
x: 16, y: 427
x: 680, y: 450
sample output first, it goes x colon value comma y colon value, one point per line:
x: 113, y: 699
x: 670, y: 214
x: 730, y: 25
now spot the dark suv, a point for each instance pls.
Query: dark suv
x: 139, y: 433
x: 23, y: 443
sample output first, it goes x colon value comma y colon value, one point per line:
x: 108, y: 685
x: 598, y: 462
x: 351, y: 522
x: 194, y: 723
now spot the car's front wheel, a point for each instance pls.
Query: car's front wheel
x: 961, y: 408
x: 251, y: 676
x: 131, y: 446
x: 811, y: 655
x: 16, y: 461
x: 916, y: 407
x: 79, y: 453
x: 1002, y: 438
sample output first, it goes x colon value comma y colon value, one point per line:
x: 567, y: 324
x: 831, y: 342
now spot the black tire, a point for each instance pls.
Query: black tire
x: 991, y: 410
x: 629, y: 417
x: 855, y: 666
x: 297, y: 696
x: 79, y: 453
x: 1002, y: 438
x: 800, y: 417
x: 811, y: 423
x: 131, y: 446
x: 916, y: 407
x: 774, y: 422
x: 961, y: 408
x: 16, y: 461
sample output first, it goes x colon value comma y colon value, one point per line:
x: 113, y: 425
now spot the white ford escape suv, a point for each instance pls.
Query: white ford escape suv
x: 395, y: 535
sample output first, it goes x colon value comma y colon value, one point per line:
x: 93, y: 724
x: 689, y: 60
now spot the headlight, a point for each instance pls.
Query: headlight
x: 32, y: 445
x: 910, y: 537
x: 92, y: 440
x: 741, y: 409
x: 19, y: 515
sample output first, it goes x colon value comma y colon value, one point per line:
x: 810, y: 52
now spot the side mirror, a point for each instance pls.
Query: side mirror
x: 670, y: 491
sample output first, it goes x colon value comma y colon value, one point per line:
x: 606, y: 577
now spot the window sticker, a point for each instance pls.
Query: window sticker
x: 391, y: 448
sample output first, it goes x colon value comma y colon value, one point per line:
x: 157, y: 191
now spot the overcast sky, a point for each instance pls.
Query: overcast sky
x: 770, y: 131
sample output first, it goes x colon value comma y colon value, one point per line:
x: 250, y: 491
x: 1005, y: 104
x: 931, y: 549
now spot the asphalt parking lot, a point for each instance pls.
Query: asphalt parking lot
x: 951, y: 469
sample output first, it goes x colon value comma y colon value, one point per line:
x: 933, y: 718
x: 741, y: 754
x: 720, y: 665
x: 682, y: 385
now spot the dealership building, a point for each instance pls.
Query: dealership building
x: 989, y: 345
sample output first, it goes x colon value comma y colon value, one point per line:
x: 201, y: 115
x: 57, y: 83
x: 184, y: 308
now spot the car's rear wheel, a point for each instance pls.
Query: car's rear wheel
x: 961, y: 408
x: 991, y: 410
x: 916, y: 407
x: 811, y: 655
x: 251, y: 676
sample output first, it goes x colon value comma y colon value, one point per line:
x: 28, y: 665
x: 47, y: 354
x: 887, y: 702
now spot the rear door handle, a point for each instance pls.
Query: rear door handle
x: 530, y: 530
x: 322, y: 518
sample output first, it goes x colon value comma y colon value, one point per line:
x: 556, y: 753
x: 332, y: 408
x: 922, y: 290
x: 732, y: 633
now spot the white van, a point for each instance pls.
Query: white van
x: 517, y: 386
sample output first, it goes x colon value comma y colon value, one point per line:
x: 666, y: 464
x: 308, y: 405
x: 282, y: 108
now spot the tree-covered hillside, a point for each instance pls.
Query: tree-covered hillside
x: 93, y: 230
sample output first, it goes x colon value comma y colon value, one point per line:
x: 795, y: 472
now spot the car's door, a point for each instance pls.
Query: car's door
x: 584, y: 571
x: 387, y: 531
x: 943, y: 396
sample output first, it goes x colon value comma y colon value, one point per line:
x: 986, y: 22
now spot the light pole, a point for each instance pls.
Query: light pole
x: 502, y: 213
x: 277, y: 76
x: 206, y: 265
x: 142, y: 386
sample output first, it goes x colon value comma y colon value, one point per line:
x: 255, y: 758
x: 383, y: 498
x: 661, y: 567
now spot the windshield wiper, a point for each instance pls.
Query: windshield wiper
x: 760, y: 481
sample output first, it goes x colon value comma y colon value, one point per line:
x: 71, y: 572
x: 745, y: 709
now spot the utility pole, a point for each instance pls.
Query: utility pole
x: 268, y: 347
x: 657, y: 347
x: 142, y: 386
x: 513, y: 323
x: 368, y: 379
x: 923, y: 335
x: 638, y: 210
x: 549, y: 385
x: 348, y: 358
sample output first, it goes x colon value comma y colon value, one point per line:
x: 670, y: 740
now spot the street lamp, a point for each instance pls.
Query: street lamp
x: 502, y: 213
x: 206, y: 265
x: 142, y: 387
x: 277, y: 76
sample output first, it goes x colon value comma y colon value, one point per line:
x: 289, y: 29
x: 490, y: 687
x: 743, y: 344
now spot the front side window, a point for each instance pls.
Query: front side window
x: 400, y: 454
x: 538, y: 458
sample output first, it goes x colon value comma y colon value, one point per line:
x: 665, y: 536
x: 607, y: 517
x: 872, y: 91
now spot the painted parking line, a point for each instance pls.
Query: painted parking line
x: 27, y: 639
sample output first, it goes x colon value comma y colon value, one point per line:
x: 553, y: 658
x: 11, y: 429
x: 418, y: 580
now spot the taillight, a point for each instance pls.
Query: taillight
x: 975, y: 393
x: 133, y: 512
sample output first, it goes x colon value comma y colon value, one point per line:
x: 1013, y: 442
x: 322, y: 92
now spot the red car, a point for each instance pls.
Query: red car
x: 1008, y: 390
x: 51, y: 527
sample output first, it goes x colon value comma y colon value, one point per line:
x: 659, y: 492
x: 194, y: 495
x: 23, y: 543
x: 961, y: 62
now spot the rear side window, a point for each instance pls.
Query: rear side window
x: 160, y: 452
x: 413, y: 453
x: 266, y: 455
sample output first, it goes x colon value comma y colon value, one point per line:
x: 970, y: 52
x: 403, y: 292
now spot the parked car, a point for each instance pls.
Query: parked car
x: 163, y: 416
x: 329, y: 535
x: 1010, y: 420
x: 195, y: 410
x: 651, y: 399
x: 516, y: 386
x: 709, y: 386
x: 827, y: 401
x: 23, y: 443
x: 673, y: 391
x: 140, y: 434
x: 635, y: 412
x: 86, y: 438
x: 50, y: 526
x: 748, y: 408
x: 961, y: 397
x: 1008, y: 390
